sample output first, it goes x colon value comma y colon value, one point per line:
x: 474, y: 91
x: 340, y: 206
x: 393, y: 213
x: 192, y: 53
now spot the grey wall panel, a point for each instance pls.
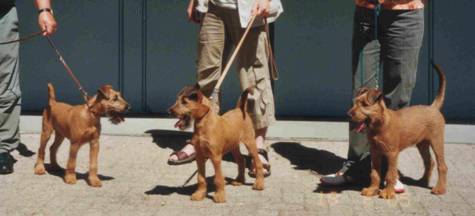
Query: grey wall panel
x: 171, y: 46
x: 454, y: 50
x: 313, y: 49
x: 88, y: 39
x: 170, y: 52
x: 147, y: 49
x: 132, y: 41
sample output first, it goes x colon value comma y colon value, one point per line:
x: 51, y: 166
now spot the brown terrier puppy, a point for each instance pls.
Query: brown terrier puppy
x: 389, y: 132
x: 216, y: 135
x: 80, y: 124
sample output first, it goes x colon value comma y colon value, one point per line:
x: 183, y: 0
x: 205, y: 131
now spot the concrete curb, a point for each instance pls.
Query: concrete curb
x: 333, y: 131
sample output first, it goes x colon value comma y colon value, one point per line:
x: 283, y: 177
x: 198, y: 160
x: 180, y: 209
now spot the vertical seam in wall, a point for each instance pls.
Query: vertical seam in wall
x: 431, y: 53
x: 144, y: 56
x: 121, y: 46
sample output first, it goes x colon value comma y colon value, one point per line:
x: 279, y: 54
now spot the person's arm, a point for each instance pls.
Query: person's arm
x: 46, y: 19
x: 189, y: 10
x: 261, y: 8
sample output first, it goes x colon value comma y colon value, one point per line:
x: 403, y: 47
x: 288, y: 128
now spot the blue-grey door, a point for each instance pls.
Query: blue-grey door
x: 147, y: 49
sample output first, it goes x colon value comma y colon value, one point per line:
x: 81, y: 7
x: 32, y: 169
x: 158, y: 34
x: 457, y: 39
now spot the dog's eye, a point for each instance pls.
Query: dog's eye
x: 115, y: 98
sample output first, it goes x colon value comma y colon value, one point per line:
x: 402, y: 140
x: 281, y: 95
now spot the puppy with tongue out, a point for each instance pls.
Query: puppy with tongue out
x: 179, y: 109
x: 391, y: 131
x: 364, y: 104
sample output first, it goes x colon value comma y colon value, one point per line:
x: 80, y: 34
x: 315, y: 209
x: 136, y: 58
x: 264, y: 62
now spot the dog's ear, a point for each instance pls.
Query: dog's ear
x: 103, y: 92
x: 196, y: 96
x: 361, y: 91
x: 374, y: 96
x: 381, y: 102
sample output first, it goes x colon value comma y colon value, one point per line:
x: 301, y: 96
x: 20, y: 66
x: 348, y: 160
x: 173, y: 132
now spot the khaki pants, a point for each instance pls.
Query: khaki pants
x: 219, y: 31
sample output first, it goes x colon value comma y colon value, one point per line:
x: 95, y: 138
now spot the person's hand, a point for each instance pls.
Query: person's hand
x: 261, y: 8
x: 190, y: 12
x: 47, y: 23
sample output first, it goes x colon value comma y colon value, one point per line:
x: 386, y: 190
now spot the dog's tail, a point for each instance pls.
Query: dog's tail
x: 242, y: 103
x: 439, y: 100
x: 51, y: 94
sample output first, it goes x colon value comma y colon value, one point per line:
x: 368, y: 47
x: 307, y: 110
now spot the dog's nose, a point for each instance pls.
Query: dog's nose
x: 350, y: 113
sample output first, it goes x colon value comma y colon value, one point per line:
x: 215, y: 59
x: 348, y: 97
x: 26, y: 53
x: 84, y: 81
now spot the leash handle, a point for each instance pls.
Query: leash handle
x: 68, y: 69
x: 233, y: 56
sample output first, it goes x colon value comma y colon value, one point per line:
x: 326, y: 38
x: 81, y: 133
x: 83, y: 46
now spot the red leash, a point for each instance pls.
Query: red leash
x: 68, y: 69
x: 61, y: 59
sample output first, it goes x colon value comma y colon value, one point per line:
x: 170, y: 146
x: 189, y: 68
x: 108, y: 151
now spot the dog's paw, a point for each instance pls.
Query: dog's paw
x: 258, y: 186
x: 70, y: 179
x: 40, y: 169
x: 369, y: 191
x: 219, y: 197
x: 95, y: 182
x: 438, y: 190
x: 387, y: 193
x: 198, y: 196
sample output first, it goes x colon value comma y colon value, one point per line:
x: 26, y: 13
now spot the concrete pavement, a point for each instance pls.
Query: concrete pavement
x: 137, y: 181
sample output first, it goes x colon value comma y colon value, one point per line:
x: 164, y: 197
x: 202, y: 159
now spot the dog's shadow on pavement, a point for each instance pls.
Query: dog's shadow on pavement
x: 79, y: 176
x: 411, y: 181
x: 174, y: 140
x: 188, y: 189
x: 317, y: 161
x: 304, y: 158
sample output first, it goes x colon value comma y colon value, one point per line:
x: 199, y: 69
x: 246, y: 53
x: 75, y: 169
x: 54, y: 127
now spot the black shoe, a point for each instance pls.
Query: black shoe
x: 6, y: 163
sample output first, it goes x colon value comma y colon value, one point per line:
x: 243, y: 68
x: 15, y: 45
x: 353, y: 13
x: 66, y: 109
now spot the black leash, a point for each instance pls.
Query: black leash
x: 189, y: 179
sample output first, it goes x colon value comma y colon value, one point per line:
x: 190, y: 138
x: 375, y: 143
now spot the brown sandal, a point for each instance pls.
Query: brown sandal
x: 183, y: 158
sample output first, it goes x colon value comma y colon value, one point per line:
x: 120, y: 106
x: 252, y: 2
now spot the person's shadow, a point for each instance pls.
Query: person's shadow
x: 320, y: 162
